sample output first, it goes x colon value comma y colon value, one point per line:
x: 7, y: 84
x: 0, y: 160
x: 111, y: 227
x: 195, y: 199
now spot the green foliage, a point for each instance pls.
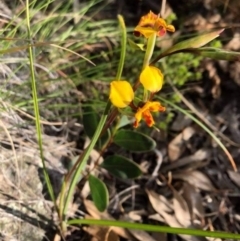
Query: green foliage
x: 99, y: 192
x: 134, y: 141
x: 163, y: 125
x: 183, y: 67
x: 216, y: 44
x: 171, y: 17
x: 136, y: 46
x: 121, y: 167
x: 216, y: 53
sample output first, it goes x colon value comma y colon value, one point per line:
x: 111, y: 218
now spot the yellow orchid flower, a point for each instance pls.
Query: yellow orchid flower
x: 121, y: 93
x: 152, y: 79
x: 152, y: 23
x: 145, y: 113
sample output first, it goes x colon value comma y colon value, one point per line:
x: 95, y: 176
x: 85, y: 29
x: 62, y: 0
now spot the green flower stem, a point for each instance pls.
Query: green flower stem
x: 111, y: 117
x: 148, y: 55
x: 82, y: 161
x: 155, y: 228
x: 149, y: 51
x: 123, y: 47
x: 74, y: 175
x: 114, y: 112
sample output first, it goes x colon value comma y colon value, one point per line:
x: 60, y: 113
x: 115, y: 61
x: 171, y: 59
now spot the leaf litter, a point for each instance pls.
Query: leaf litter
x: 201, y: 190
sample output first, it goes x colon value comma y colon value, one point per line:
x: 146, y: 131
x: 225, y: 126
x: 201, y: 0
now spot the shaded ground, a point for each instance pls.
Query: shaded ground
x: 188, y: 181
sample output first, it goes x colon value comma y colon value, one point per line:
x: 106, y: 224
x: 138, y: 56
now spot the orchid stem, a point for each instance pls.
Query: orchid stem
x: 148, y: 55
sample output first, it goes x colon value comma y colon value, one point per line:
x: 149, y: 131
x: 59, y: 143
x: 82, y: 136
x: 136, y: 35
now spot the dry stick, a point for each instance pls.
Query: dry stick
x: 112, y: 116
x: 163, y: 7
x: 200, y: 116
x: 49, y: 123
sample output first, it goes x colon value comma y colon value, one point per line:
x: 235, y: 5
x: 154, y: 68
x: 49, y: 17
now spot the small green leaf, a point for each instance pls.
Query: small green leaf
x: 215, y: 53
x: 99, y: 193
x: 192, y: 43
x: 133, y: 45
x: 123, y: 122
x: 134, y: 141
x: 121, y: 167
x: 90, y: 120
x: 195, y: 42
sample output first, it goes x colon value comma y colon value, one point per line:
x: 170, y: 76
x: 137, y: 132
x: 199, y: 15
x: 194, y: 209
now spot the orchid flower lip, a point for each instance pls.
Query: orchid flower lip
x: 144, y: 112
x: 151, y: 78
x: 121, y: 93
x: 150, y: 24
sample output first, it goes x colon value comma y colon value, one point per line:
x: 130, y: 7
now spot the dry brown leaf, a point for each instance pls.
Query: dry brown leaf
x: 102, y: 233
x: 171, y: 220
x: 156, y: 217
x: 198, y: 156
x: 235, y: 177
x: 92, y: 210
x: 57, y: 237
x: 181, y: 209
x: 214, y: 239
x: 160, y: 236
x: 165, y: 211
x: 177, y: 146
x: 194, y: 202
x: 159, y: 203
x: 234, y: 43
x: 163, y: 208
x: 180, y: 122
x: 197, y: 179
x: 136, y: 215
x: 141, y: 235
x: 213, y: 74
x: 111, y: 236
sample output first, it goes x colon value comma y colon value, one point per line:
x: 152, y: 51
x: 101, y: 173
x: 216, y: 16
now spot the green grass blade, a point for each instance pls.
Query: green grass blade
x: 155, y: 228
x: 83, y: 160
x: 36, y: 107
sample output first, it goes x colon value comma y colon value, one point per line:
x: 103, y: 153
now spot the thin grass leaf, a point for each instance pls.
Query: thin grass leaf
x: 75, y: 173
x: 36, y: 108
x: 215, y: 53
x: 155, y: 228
